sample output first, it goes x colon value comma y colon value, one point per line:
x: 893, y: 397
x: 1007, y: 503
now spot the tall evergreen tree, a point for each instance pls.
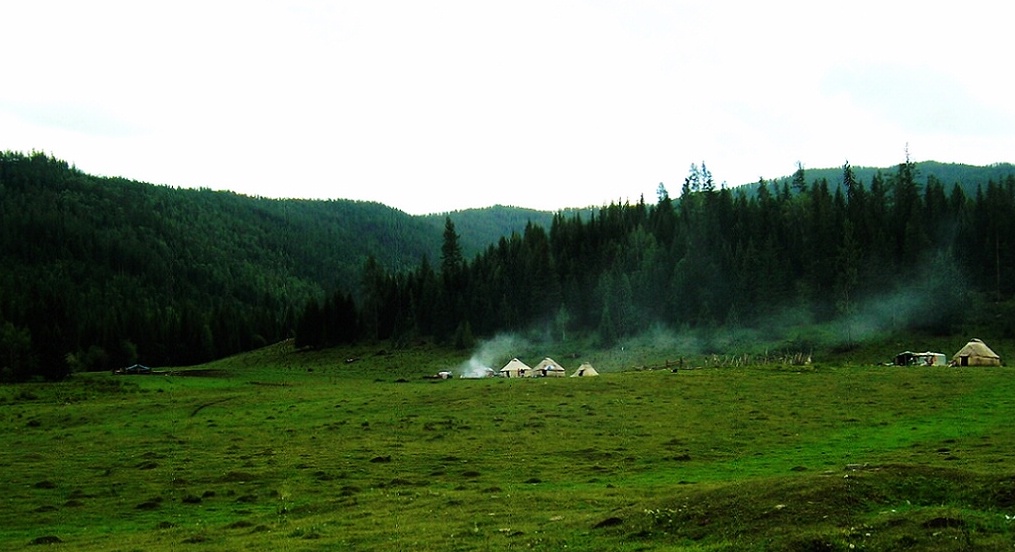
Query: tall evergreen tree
x: 451, y: 305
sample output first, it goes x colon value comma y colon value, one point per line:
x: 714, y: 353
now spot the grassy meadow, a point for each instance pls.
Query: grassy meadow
x: 286, y: 450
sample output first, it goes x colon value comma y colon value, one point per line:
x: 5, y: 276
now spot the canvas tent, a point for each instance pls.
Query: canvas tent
x: 976, y: 353
x: 515, y: 369
x: 134, y: 370
x: 548, y: 368
x: 908, y: 358
x: 585, y: 370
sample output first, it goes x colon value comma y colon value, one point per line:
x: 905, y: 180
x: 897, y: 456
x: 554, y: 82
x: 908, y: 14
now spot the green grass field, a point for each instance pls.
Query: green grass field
x: 285, y: 450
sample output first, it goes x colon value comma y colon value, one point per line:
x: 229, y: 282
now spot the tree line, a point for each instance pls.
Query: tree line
x: 713, y: 257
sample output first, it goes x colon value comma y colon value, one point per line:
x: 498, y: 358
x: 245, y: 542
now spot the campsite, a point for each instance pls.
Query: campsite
x: 299, y: 450
x: 973, y: 353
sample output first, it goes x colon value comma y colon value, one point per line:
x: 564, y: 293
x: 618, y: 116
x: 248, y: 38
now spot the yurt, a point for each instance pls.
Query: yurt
x: 515, y: 369
x: 548, y: 368
x: 585, y: 370
x: 976, y: 353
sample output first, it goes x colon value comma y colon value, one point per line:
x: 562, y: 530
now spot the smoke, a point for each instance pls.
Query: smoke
x: 931, y: 299
x: 881, y: 314
x: 481, y: 363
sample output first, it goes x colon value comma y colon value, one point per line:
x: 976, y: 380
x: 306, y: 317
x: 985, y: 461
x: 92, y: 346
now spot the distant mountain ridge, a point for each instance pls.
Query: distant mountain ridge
x: 482, y: 227
x: 970, y: 177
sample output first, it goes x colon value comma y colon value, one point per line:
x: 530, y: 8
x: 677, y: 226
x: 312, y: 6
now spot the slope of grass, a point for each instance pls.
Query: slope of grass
x: 305, y: 451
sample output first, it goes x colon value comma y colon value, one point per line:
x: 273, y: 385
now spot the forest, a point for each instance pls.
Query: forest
x: 917, y: 249
x: 98, y: 273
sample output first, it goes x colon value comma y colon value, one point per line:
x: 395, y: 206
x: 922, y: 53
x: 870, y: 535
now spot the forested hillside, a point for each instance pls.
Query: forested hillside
x: 98, y: 273
x: 478, y: 228
x: 102, y: 272
x: 901, y: 246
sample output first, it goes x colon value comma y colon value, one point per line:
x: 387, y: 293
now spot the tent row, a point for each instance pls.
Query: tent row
x: 547, y: 368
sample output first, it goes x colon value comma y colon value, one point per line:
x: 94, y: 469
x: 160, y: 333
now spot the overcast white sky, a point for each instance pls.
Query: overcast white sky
x: 432, y: 106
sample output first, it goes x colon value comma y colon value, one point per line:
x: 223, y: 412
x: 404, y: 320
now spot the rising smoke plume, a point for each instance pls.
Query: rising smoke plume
x: 493, y: 350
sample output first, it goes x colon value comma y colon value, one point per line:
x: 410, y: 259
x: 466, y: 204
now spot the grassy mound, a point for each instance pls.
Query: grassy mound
x: 888, y: 507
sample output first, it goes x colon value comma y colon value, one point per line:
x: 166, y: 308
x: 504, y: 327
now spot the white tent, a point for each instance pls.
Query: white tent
x: 548, y: 368
x: 515, y: 369
x: 585, y: 370
x: 932, y: 359
x: 909, y: 358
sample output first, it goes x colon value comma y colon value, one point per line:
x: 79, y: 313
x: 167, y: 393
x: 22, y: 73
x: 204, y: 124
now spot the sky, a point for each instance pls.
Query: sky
x: 434, y: 106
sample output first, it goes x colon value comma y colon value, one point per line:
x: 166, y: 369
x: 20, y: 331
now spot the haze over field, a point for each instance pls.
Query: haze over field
x: 447, y: 105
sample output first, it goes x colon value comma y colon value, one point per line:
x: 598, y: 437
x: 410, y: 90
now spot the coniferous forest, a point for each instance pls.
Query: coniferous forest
x: 714, y: 258
x: 98, y: 273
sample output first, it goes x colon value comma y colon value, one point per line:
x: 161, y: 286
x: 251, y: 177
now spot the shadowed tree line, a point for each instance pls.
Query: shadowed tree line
x: 712, y: 258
